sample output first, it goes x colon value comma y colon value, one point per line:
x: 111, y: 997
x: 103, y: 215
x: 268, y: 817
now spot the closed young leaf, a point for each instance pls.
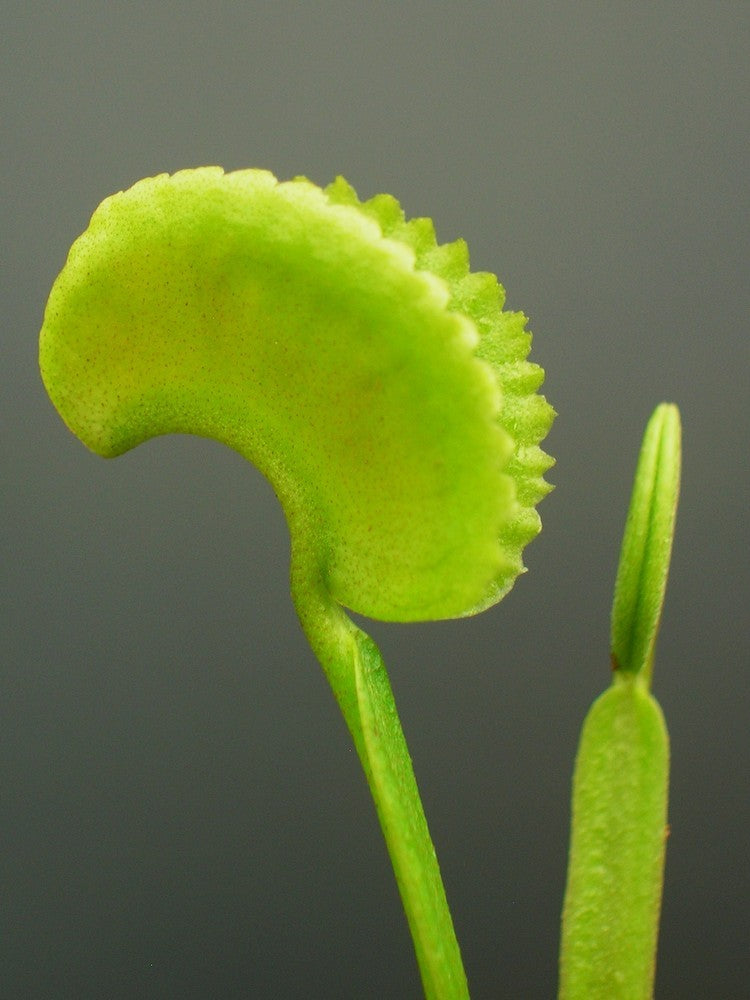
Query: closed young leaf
x: 647, y: 544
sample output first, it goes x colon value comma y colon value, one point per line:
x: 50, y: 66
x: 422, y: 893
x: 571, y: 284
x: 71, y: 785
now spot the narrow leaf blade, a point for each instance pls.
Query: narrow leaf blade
x: 647, y: 544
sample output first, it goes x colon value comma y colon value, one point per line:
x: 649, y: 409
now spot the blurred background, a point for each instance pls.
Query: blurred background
x: 181, y: 812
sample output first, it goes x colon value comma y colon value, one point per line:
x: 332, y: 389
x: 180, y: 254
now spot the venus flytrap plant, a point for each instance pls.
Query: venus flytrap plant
x: 374, y: 380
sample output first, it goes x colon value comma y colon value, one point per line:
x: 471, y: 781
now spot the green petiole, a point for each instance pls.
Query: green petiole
x: 357, y: 675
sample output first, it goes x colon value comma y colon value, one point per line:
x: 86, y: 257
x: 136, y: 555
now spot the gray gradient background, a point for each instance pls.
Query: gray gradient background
x: 182, y: 815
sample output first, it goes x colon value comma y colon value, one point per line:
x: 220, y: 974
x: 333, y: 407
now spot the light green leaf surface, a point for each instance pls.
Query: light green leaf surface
x: 373, y: 379
x: 619, y: 828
